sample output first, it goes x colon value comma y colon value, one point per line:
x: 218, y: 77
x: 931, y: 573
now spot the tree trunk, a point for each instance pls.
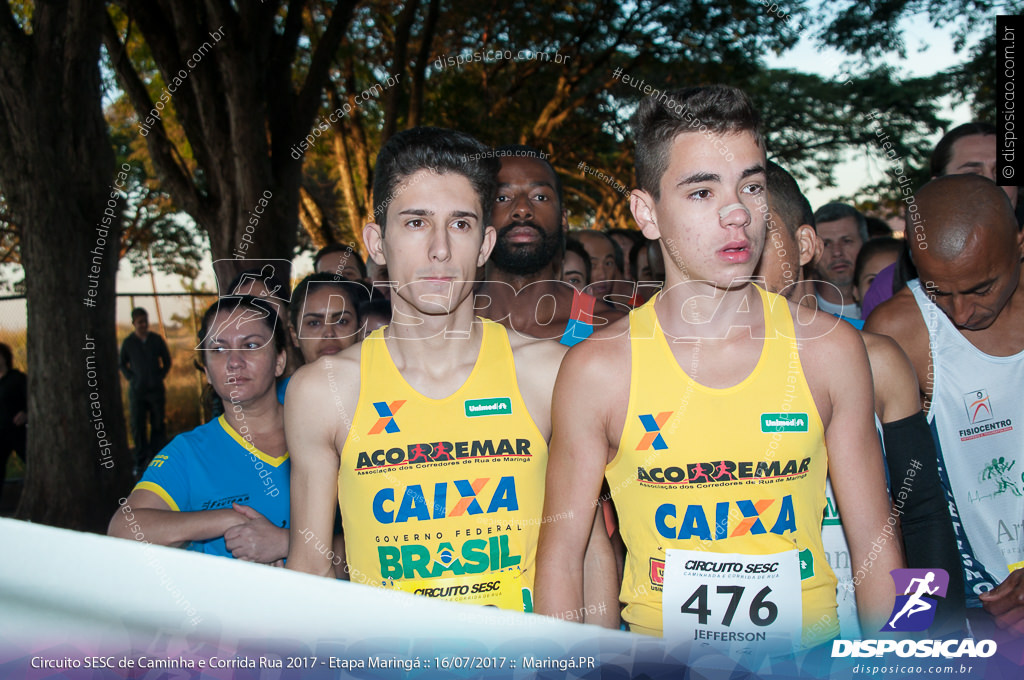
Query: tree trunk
x: 399, y: 52
x: 348, y: 191
x: 58, y: 165
x: 420, y: 67
x: 240, y: 110
x: 312, y: 219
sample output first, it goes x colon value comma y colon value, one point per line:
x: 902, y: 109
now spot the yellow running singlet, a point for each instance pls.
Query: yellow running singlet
x: 443, y: 497
x: 734, y: 470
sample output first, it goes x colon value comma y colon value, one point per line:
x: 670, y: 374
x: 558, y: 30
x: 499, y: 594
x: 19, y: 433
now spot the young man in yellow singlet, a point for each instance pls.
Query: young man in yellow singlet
x: 709, y: 411
x: 431, y: 433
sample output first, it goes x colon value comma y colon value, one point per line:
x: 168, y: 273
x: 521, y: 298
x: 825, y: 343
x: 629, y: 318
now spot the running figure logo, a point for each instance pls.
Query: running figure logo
x: 997, y: 471
x: 915, y: 608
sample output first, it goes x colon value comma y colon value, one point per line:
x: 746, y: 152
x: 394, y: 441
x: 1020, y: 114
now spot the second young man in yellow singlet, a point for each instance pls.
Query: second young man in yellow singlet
x: 709, y: 411
x: 432, y: 433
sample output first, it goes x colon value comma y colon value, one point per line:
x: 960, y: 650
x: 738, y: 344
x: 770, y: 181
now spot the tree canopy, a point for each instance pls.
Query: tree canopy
x: 539, y: 73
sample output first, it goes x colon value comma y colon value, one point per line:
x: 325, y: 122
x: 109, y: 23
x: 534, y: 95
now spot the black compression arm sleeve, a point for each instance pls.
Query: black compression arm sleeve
x: 928, y: 537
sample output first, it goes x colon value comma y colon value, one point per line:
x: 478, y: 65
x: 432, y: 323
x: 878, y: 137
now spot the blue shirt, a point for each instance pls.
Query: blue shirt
x: 581, y: 319
x: 282, y: 386
x: 211, y: 467
x: 856, y: 323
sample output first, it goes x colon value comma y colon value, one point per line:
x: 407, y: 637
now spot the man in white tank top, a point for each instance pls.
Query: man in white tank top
x: 962, y: 325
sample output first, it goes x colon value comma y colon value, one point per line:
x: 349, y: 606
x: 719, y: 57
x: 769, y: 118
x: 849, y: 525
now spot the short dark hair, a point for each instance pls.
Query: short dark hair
x: 905, y: 270
x: 943, y: 151
x: 524, y: 151
x: 355, y: 290
x: 229, y: 303
x: 256, y: 271
x: 574, y: 246
x: 785, y: 200
x: 878, y: 228
x: 339, y: 248
x: 830, y: 212
x: 5, y: 353
x: 715, y: 108
x: 438, y: 150
x: 377, y: 305
x: 872, y: 248
x: 139, y: 311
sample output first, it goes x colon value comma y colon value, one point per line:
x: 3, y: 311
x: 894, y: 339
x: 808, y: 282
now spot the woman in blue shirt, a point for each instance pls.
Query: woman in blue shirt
x: 223, y: 487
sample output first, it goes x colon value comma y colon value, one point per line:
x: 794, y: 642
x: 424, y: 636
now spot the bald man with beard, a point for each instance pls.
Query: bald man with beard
x: 962, y: 325
x: 792, y: 244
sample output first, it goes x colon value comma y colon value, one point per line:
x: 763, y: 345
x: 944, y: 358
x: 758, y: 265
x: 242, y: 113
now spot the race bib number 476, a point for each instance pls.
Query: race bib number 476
x: 733, y: 601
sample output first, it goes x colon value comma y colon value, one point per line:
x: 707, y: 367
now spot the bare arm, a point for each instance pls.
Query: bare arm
x: 600, y: 593
x: 340, y: 563
x: 1005, y: 603
x: 537, y: 364
x: 256, y: 539
x: 858, y: 478
x: 897, y: 394
x: 310, y: 426
x: 576, y: 462
x: 920, y: 501
x: 147, y: 517
x: 900, y: 319
x: 917, y: 493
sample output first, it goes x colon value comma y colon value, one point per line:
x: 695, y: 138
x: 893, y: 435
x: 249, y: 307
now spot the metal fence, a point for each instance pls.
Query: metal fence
x: 175, y: 316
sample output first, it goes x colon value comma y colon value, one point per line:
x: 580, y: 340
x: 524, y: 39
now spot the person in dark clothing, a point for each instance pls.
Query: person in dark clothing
x: 145, y: 362
x: 13, y: 408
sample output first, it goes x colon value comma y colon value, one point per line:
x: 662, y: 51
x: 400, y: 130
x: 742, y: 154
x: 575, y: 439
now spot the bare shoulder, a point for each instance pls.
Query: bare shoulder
x: 338, y: 371
x: 602, y: 360
x: 616, y: 330
x: 537, y: 353
x: 322, y: 398
x: 591, y: 395
x: 819, y: 332
x: 898, y: 317
x: 324, y: 394
x: 833, y: 359
x: 897, y: 393
x: 885, y: 354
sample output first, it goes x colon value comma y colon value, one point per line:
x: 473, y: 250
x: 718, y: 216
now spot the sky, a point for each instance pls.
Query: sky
x: 929, y: 50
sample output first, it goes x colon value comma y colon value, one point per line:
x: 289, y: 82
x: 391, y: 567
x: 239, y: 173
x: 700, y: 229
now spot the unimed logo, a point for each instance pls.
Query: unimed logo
x: 784, y: 422
x: 498, y: 406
